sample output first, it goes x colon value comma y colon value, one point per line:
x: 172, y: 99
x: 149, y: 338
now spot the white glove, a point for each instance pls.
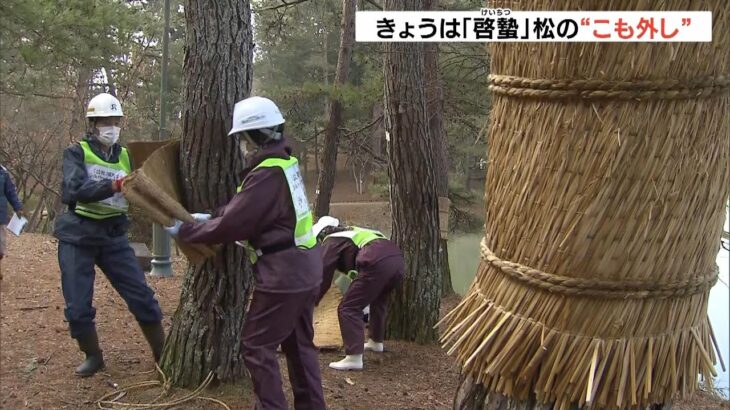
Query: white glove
x: 201, y: 217
x: 174, y: 229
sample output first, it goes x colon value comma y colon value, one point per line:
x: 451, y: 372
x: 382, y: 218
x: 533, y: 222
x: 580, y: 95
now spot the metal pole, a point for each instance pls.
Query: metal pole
x: 161, y: 263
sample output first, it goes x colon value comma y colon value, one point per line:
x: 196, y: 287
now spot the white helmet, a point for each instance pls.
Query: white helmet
x: 104, y: 105
x: 255, y: 113
x: 324, y: 222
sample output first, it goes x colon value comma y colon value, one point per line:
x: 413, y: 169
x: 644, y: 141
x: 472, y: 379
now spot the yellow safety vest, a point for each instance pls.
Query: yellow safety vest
x: 98, y: 170
x: 360, y: 236
x: 303, y: 235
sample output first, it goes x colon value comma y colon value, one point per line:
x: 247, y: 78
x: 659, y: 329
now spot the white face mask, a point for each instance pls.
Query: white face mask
x: 108, y: 135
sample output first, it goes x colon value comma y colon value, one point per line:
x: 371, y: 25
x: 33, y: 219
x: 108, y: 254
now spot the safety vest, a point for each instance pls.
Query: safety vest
x: 99, y: 170
x: 360, y: 236
x: 303, y: 235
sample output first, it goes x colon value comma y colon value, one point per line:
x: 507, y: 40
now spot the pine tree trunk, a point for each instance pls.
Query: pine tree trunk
x: 411, y: 168
x: 326, y: 180
x: 206, y: 330
x: 378, y: 135
x: 435, y: 108
x: 473, y: 396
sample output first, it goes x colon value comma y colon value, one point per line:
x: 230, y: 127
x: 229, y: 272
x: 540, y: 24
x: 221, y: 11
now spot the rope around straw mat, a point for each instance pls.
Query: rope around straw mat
x: 663, y: 89
x: 105, y: 403
x: 595, y: 287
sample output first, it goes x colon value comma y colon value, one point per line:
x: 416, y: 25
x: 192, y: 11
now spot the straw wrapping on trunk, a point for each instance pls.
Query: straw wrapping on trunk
x: 604, y: 203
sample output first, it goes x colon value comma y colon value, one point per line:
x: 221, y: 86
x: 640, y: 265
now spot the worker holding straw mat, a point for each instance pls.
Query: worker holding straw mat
x: 375, y: 265
x: 271, y: 214
x: 94, y: 232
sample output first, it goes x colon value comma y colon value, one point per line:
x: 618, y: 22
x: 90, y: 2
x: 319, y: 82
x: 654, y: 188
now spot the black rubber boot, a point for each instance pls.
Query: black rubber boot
x: 155, y: 335
x: 89, y: 344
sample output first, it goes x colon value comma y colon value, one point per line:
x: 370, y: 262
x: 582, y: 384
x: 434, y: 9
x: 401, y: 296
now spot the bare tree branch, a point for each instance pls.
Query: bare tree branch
x: 19, y: 94
x: 366, y: 126
x: 377, y: 158
x: 311, y: 137
x: 38, y: 179
x: 283, y: 5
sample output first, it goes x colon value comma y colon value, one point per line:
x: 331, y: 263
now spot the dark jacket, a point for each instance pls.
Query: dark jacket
x: 77, y: 187
x: 263, y: 214
x: 341, y: 254
x: 7, y: 195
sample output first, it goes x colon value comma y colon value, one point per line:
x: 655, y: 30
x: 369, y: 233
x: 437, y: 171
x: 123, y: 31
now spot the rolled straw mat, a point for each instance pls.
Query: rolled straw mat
x: 326, y: 323
x: 155, y: 189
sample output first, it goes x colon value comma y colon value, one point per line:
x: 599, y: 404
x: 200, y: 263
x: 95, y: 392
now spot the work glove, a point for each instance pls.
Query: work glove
x: 201, y: 217
x: 117, y: 184
x: 175, y: 228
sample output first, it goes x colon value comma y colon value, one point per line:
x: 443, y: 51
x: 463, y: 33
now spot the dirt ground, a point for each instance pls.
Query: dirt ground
x: 37, y: 356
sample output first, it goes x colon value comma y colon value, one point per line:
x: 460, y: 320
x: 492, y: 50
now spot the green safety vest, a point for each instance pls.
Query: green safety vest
x: 99, y: 170
x: 303, y: 235
x: 360, y: 236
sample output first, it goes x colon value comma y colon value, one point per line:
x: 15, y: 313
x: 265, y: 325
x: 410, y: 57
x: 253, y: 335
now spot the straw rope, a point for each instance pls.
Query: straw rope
x: 578, y: 286
x: 660, y: 89
x: 488, y: 304
x: 110, y: 400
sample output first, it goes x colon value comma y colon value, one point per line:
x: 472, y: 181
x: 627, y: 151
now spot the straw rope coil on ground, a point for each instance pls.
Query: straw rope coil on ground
x: 605, y: 200
x: 111, y: 400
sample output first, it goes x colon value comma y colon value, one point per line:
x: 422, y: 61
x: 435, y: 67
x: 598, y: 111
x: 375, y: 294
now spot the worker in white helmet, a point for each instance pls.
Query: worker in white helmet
x: 271, y: 214
x: 93, y: 231
x: 375, y: 265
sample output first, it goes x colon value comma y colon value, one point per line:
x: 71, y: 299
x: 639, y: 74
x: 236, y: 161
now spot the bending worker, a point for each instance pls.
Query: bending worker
x: 93, y: 231
x: 271, y: 212
x: 376, y: 266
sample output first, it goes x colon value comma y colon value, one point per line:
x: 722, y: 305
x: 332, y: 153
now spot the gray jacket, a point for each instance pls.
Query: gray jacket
x: 77, y: 187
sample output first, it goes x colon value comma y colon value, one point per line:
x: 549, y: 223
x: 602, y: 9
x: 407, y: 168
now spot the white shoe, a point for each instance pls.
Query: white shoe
x: 350, y: 362
x: 374, y: 346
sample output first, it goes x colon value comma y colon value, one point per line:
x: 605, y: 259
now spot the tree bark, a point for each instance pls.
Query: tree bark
x: 378, y: 135
x: 413, y: 197
x: 206, y: 330
x: 326, y: 180
x: 435, y: 108
x: 316, y: 151
x: 473, y: 396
